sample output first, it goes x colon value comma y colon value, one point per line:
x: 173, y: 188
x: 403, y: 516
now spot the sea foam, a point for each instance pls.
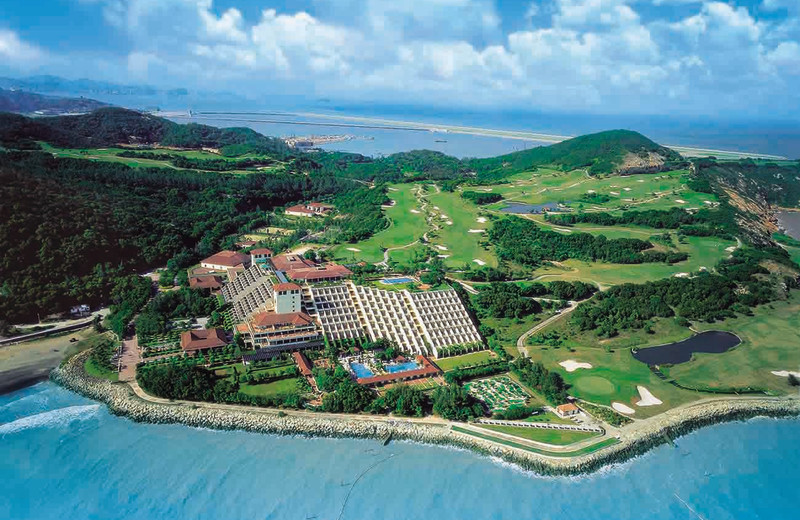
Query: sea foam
x: 51, y: 419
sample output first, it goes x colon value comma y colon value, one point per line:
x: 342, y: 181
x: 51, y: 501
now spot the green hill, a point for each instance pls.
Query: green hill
x: 613, y: 151
x: 20, y: 101
x: 112, y: 126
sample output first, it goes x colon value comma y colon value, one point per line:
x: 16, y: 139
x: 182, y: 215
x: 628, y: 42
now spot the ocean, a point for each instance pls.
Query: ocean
x: 65, y: 457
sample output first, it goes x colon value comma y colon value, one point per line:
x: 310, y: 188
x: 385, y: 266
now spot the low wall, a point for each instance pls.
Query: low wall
x: 121, y: 400
x: 543, y: 426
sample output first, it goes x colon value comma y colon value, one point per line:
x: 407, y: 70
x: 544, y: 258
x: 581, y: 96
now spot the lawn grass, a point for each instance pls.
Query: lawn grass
x: 643, y: 191
x: 462, y: 246
x: 283, y: 386
x: 583, y: 451
x: 473, y: 358
x: 100, y: 372
x: 770, y: 341
x: 615, y: 373
x: 547, y: 436
x: 110, y: 155
x: 405, y: 227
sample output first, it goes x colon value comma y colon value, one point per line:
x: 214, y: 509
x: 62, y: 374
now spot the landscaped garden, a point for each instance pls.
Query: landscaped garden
x: 498, y: 393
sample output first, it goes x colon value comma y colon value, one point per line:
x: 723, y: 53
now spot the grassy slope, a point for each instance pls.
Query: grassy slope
x: 474, y: 358
x: 405, y: 228
x: 462, y: 246
x: 557, y: 437
x: 110, y: 155
x: 770, y: 341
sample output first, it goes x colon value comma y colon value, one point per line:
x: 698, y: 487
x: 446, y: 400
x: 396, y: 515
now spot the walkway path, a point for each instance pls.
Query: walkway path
x: 129, y: 359
x: 536, y: 328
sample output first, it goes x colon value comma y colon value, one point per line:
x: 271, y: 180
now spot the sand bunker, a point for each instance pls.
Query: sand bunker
x: 785, y: 373
x: 449, y: 222
x: 570, y: 365
x: 614, y: 193
x: 681, y: 275
x: 626, y: 189
x: 590, y: 191
x: 640, y: 180
x: 354, y: 249
x: 436, y: 207
x: 441, y: 248
x: 679, y: 201
x: 481, y: 220
x: 622, y: 408
x: 730, y: 249
x: 476, y: 231
x: 647, y: 399
x: 478, y: 261
x: 414, y: 211
x: 443, y: 256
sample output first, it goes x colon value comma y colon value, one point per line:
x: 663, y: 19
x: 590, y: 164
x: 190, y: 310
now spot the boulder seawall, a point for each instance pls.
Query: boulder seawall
x: 121, y: 400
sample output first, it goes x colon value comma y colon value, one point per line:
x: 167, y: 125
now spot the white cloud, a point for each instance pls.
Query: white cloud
x: 14, y: 50
x: 579, y: 54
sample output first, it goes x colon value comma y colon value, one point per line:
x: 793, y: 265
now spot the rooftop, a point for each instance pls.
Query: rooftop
x: 288, y: 286
x: 202, y: 339
x: 265, y: 320
x: 227, y: 258
x: 205, y: 282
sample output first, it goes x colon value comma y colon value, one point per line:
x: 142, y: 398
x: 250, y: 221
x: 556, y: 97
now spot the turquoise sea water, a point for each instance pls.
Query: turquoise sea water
x: 65, y: 457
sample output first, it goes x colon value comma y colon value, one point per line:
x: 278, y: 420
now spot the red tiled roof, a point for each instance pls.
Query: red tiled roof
x: 291, y: 262
x: 202, y: 339
x: 319, y: 205
x: 271, y: 319
x: 428, y: 369
x: 322, y: 272
x: 261, y: 251
x: 300, y: 208
x: 246, y: 243
x: 227, y: 258
x: 288, y: 286
x: 205, y: 282
x: 302, y: 363
x: 568, y: 407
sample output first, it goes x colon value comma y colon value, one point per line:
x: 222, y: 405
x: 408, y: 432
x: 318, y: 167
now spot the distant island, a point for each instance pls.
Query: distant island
x: 562, y: 307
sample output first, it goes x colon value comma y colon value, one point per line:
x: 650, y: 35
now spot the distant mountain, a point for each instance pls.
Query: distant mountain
x: 56, y: 84
x: 111, y: 126
x: 613, y: 151
x: 22, y: 102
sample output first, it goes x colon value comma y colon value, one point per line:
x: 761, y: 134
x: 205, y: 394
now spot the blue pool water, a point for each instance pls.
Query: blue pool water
x: 361, y: 370
x: 393, y: 281
x: 66, y: 457
x: 401, y: 367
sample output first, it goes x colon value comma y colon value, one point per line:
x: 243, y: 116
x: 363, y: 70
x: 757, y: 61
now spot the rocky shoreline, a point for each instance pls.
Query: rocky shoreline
x: 122, y: 401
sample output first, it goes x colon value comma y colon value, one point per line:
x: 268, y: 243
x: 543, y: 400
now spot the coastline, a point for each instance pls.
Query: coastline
x: 636, y: 440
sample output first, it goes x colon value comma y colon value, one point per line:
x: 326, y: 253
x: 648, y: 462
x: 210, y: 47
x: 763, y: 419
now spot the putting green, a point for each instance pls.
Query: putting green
x: 595, y: 385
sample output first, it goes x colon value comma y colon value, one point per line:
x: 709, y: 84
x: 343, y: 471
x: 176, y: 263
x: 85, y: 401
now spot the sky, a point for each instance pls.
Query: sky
x: 740, y: 57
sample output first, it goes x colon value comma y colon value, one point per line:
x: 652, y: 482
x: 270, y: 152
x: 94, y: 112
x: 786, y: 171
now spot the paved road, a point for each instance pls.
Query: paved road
x: 522, y: 339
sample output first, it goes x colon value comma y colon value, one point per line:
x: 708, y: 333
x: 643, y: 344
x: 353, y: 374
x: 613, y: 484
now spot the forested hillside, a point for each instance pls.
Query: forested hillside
x: 70, y: 228
x: 110, y: 126
x: 603, y: 152
x: 23, y: 102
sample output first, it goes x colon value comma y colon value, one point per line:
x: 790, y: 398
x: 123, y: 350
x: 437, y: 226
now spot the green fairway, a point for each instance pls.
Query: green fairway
x: 635, y: 191
x: 110, y: 155
x: 770, y: 342
x: 405, y: 228
x: 594, y: 385
x: 555, y: 437
x: 458, y: 225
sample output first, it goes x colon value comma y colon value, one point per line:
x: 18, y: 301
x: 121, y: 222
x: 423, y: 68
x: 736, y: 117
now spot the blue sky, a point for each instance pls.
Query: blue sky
x: 739, y: 57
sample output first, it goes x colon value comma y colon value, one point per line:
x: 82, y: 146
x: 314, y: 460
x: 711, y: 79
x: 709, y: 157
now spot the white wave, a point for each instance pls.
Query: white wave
x: 52, y: 418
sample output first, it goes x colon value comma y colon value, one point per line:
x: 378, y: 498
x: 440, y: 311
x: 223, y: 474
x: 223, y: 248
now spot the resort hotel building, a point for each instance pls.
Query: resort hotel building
x: 290, y: 303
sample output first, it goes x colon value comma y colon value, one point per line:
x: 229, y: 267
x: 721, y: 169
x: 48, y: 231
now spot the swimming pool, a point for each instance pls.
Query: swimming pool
x: 392, y: 281
x: 393, y: 368
x: 361, y: 370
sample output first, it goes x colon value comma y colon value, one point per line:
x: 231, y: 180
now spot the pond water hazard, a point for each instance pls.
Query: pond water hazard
x: 520, y: 208
x: 711, y: 342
